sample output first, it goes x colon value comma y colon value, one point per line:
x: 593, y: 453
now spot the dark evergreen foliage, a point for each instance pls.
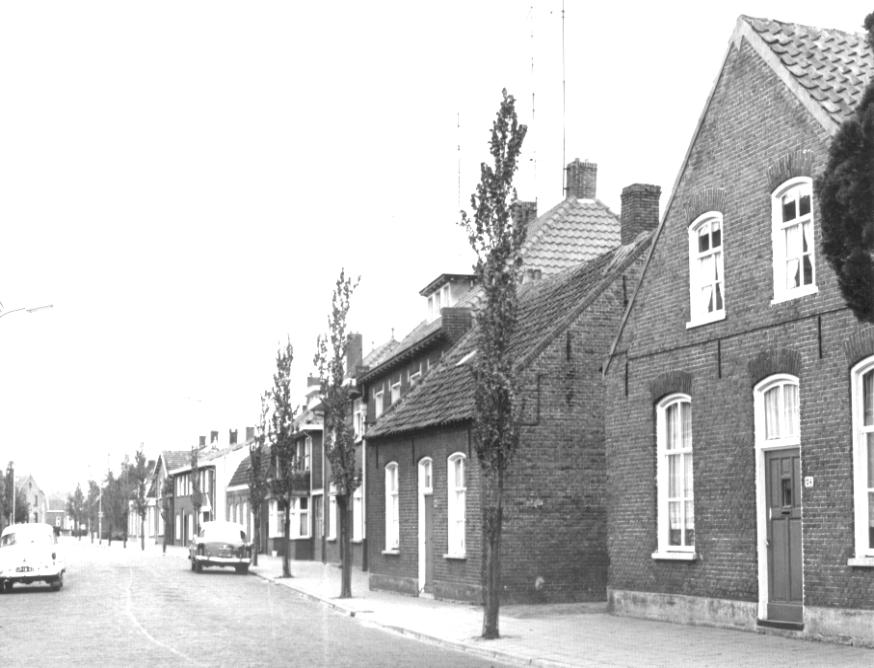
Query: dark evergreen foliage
x: 846, y: 199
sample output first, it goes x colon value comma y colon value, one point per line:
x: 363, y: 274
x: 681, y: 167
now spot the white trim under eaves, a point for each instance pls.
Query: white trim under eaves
x: 237, y: 488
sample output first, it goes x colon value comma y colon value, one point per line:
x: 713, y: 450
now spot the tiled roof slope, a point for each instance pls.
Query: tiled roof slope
x: 419, y: 333
x: 241, y: 475
x: 573, y: 231
x: 833, y: 66
x: 379, y: 353
x: 173, y: 459
x: 546, y: 307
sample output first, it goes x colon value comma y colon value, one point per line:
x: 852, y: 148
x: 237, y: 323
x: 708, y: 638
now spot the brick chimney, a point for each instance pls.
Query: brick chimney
x: 582, y: 180
x: 250, y: 434
x: 455, y: 321
x: 526, y: 211
x: 354, y: 353
x: 232, y: 436
x: 201, y: 441
x: 640, y: 210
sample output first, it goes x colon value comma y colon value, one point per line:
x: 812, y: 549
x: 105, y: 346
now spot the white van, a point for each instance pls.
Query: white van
x: 29, y: 553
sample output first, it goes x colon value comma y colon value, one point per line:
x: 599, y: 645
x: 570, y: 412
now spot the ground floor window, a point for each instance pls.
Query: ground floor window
x: 674, y: 472
x: 358, y: 515
x: 863, y: 456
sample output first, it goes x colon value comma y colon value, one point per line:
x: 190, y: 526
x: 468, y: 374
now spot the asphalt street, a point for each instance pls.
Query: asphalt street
x: 124, y: 607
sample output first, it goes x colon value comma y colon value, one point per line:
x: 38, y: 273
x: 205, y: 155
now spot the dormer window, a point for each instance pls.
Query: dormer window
x: 706, y: 270
x: 792, y: 239
x: 396, y: 389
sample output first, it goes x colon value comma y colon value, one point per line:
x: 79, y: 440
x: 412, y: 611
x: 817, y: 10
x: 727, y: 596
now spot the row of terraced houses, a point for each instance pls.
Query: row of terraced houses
x: 697, y: 398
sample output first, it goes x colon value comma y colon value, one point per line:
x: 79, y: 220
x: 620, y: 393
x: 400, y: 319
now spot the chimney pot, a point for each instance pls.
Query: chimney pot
x: 250, y: 434
x: 202, y: 441
x: 232, y: 437
x: 582, y: 179
x: 213, y: 437
x: 640, y: 209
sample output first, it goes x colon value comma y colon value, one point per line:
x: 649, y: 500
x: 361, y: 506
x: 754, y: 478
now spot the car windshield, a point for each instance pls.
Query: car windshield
x: 227, y: 533
x: 24, y: 537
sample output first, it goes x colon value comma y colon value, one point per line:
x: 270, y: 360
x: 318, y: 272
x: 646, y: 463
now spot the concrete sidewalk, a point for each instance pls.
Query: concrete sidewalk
x: 555, y: 635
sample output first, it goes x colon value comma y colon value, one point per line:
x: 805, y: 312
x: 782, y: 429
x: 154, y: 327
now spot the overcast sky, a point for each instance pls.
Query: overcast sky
x: 184, y: 181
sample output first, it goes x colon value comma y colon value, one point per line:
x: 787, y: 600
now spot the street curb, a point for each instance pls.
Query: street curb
x: 490, y: 654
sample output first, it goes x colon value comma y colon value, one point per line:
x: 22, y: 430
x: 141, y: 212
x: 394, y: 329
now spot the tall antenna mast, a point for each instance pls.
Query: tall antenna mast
x: 563, y: 94
x: 533, y: 88
x: 458, y: 151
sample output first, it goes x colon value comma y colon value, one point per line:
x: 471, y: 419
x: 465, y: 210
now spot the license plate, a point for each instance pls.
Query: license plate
x: 23, y: 569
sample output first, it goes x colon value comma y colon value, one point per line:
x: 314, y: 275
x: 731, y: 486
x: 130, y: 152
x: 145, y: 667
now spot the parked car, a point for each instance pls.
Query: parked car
x: 220, y: 543
x: 29, y: 553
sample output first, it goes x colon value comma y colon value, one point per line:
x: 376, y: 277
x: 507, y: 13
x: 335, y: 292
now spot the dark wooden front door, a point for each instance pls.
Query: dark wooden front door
x: 783, y: 490
x: 429, y: 556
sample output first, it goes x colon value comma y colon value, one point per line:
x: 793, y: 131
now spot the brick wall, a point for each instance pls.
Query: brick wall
x: 752, y: 124
x: 554, y: 540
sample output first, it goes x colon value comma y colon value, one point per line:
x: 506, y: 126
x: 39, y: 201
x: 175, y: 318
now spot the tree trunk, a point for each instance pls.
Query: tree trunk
x: 345, y: 547
x: 256, y: 520
x: 143, y: 533
x: 256, y: 536
x: 286, y: 525
x: 493, y: 515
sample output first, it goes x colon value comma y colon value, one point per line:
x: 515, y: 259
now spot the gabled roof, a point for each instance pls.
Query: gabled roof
x: 422, y: 336
x: 825, y: 69
x: 241, y: 475
x: 173, y: 459
x: 546, y: 308
x: 573, y: 231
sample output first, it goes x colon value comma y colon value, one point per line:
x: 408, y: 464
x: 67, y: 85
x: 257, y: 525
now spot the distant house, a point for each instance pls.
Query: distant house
x: 56, y: 515
x: 741, y: 387
x: 36, y: 499
x: 216, y: 465
x: 423, y: 519
x: 163, y: 521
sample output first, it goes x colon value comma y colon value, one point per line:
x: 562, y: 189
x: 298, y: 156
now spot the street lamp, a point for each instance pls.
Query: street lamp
x: 23, y: 308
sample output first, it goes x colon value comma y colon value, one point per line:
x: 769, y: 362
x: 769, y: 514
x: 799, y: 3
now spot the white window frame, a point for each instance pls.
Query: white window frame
x: 392, y: 508
x: 332, y: 513
x: 307, y: 453
x: 396, y: 390
x: 862, y: 486
x: 699, y: 313
x: 665, y: 550
x: 782, y: 293
x: 359, y: 417
x: 456, y: 506
x: 414, y: 377
x: 299, y: 515
x: 378, y: 403
x: 357, y: 515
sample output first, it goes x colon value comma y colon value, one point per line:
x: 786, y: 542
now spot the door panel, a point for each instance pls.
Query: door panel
x: 783, y: 493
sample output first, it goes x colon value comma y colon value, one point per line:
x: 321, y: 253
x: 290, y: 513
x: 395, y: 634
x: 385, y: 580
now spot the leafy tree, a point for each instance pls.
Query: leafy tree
x: 282, y: 446
x: 330, y: 360
x: 496, y: 237
x: 846, y: 199
x: 92, y: 506
x: 167, y: 508
x: 5, y: 499
x: 196, y: 493
x: 76, y: 508
x: 22, y: 507
x: 139, y: 485
x: 258, y: 487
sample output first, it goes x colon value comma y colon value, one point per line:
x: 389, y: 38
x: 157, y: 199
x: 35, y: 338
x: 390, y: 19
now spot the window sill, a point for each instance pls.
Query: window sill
x: 706, y: 320
x: 391, y: 552
x: 455, y: 557
x: 675, y: 556
x: 861, y: 562
x: 795, y: 294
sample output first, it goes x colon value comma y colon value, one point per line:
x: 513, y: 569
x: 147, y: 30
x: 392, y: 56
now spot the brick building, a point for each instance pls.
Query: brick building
x: 423, y: 521
x: 739, y: 390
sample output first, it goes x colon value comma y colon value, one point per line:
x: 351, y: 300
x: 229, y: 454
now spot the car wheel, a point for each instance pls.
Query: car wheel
x: 7, y: 587
x: 193, y: 567
x: 58, y: 583
x: 242, y: 570
x: 198, y: 567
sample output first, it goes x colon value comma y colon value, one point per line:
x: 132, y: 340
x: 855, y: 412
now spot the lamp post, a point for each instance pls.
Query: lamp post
x: 23, y: 308
x: 12, y: 485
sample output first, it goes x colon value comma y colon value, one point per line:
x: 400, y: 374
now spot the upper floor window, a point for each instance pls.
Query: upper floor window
x: 706, y: 273
x: 377, y: 403
x: 392, y: 510
x: 307, y: 453
x: 862, y: 381
x: 457, y: 504
x: 358, y: 408
x: 414, y: 373
x: 396, y: 389
x: 792, y: 239
x: 674, y: 478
